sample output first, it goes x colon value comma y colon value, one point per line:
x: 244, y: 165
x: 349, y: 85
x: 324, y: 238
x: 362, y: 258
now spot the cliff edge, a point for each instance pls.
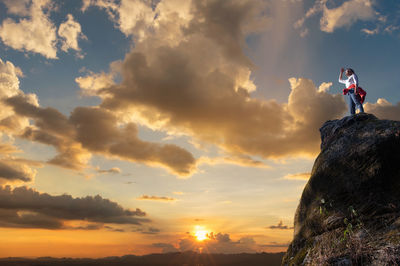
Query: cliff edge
x: 349, y: 212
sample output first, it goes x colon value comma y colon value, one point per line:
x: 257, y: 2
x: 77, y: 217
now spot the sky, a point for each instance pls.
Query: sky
x: 147, y: 126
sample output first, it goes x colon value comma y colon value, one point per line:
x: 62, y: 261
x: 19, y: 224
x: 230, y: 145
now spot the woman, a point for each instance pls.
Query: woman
x: 351, y: 87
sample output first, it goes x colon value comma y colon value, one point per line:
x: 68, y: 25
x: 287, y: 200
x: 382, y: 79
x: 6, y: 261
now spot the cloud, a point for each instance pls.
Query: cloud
x: 95, y: 130
x: 70, y: 32
x: 156, y: 198
x: 280, y: 226
x: 347, y: 14
x: 370, y: 32
x: 9, y: 87
x: 298, y: 176
x: 6, y: 148
x: 235, y: 122
x: 28, y: 208
x: 217, y: 243
x: 113, y: 229
x: 165, y: 247
x: 304, y: 33
x: 315, y: 9
x: 114, y: 170
x: 391, y: 28
x: 17, y: 7
x: 384, y: 109
x: 98, y: 131
x: 27, y: 219
x: 151, y: 231
x: 135, y: 18
x: 91, y: 84
x: 91, y: 226
x: 325, y: 86
x: 147, y: 231
x: 15, y: 171
x: 52, y: 128
x: 12, y: 169
x: 343, y: 15
x: 35, y: 33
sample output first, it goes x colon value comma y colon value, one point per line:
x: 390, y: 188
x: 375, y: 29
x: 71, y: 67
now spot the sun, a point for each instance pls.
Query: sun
x: 200, y: 233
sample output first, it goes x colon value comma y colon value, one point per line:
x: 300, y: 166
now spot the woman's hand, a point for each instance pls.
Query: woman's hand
x: 342, y: 70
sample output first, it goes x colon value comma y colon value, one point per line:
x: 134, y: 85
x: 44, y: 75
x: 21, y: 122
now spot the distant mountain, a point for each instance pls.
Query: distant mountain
x: 169, y: 259
x: 349, y: 212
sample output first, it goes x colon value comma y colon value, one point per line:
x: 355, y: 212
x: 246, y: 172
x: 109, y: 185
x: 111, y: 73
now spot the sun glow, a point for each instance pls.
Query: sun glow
x: 200, y: 233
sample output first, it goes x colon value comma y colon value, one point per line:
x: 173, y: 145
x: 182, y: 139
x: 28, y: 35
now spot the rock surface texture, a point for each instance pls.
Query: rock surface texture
x: 349, y: 212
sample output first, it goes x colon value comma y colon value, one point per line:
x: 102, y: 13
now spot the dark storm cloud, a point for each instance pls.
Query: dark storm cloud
x: 27, y: 219
x: 25, y: 207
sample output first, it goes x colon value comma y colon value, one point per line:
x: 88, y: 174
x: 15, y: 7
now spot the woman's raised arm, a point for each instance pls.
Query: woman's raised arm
x: 340, y: 76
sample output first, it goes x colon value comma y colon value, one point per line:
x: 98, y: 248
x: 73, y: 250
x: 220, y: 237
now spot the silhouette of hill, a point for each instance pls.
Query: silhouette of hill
x: 349, y: 212
x: 188, y: 258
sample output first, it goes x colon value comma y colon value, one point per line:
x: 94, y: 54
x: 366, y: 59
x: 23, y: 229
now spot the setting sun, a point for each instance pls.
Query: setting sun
x: 200, y: 233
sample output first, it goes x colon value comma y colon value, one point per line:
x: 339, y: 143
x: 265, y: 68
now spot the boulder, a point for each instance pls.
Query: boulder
x: 349, y: 211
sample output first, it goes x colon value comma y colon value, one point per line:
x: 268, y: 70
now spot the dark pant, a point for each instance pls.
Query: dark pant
x: 354, y: 102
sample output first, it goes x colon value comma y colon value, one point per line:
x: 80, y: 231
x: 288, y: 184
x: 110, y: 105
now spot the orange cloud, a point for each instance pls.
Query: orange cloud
x: 298, y: 176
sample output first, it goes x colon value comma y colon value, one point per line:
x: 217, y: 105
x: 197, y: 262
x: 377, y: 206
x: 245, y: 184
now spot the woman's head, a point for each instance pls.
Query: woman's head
x: 349, y: 72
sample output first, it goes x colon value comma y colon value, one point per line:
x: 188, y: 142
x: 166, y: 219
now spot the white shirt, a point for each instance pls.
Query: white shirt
x: 353, y: 79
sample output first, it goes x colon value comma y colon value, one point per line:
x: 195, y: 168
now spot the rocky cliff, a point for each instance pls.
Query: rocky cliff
x: 349, y: 212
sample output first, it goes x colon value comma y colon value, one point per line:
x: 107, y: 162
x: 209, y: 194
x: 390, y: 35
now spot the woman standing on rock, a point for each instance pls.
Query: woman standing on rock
x: 352, y: 90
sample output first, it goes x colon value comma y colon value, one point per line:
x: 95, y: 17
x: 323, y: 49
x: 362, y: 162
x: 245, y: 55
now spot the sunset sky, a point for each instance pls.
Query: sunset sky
x: 148, y: 126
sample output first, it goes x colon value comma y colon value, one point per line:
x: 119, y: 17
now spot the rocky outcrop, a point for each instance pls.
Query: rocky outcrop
x: 349, y: 212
